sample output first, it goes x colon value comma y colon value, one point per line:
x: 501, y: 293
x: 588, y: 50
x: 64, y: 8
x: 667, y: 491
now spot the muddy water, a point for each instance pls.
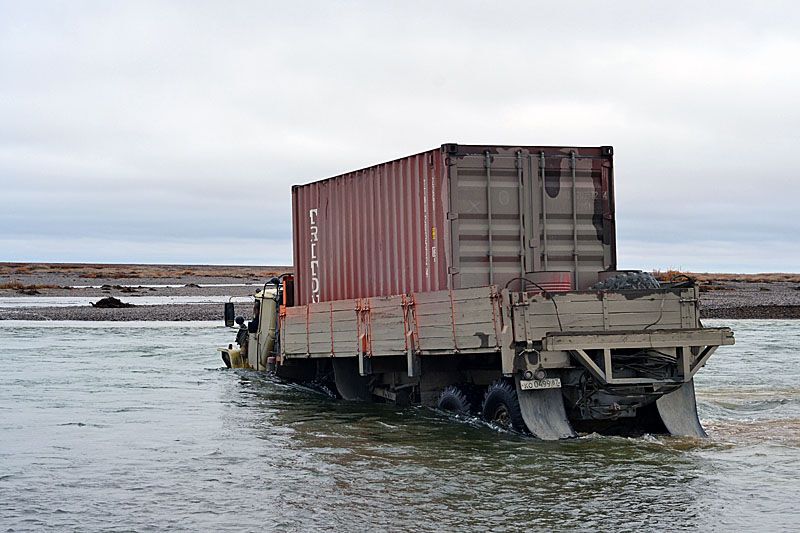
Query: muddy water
x: 134, y: 426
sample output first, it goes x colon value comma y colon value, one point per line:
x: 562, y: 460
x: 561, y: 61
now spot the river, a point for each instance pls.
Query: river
x: 118, y: 426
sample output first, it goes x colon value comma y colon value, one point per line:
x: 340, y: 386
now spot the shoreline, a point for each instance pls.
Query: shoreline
x: 725, y: 296
x: 213, y: 312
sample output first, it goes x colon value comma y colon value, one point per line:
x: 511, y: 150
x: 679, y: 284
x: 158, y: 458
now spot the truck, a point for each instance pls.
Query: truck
x: 481, y: 280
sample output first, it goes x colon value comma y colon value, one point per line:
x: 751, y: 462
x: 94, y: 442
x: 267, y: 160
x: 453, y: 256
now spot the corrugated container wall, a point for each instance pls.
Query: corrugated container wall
x: 455, y: 217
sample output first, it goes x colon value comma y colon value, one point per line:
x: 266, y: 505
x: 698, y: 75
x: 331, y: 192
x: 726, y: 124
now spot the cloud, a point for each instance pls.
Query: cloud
x: 187, y: 122
x: 709, y: 256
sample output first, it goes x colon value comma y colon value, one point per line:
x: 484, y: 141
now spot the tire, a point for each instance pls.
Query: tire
x: 453, y: 400
x: 628, y: 281
x: 501, y: 406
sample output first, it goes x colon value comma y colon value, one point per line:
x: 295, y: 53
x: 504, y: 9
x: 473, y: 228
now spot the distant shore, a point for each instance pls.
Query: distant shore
x: 129, y: 283
x: 731, y: 296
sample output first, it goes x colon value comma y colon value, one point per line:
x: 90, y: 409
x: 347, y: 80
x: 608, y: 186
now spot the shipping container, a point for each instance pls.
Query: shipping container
x: 458, y: 216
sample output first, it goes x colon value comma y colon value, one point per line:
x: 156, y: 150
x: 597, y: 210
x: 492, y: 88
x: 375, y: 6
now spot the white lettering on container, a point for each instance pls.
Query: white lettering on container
x: 313, y: 260
x: 426, y: 230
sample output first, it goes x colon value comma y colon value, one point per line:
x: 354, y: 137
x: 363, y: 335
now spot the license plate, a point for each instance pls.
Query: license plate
x: 536, y: 384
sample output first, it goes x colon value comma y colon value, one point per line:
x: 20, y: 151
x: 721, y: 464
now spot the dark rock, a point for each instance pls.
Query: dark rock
x: 29, y: 292
x: 109, y: 302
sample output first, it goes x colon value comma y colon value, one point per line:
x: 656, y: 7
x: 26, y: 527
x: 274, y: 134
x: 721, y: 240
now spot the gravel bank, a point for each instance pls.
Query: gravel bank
x: 720, y: 298
x: 144, y: 312
x: 127, y: 283
x: 54, y: 274
x: 180, y: 312
x: 736, y: 299
x: 756, y: 311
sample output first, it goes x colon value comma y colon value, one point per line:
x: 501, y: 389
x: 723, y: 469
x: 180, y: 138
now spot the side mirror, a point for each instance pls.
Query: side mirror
x: 230, y: 314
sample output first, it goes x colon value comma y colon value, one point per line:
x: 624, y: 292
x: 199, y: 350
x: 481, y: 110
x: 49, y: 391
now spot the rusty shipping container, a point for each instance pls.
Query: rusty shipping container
x: 457, y: 216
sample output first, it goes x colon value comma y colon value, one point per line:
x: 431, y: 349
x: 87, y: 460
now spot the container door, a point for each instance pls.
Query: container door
x: 515, y: 212
x: 494, y: 222
x: 576, y: 215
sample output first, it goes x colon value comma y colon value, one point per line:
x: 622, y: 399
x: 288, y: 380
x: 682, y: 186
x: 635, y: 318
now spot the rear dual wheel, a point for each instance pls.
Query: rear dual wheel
x: 454, y: 400
x: 501, y: 406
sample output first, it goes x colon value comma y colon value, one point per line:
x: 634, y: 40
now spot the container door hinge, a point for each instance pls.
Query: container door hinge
x: 453, y: 270
x: 452, y: 216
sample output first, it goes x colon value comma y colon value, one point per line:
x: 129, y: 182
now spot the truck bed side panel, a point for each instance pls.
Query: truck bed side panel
x: 438, y: 322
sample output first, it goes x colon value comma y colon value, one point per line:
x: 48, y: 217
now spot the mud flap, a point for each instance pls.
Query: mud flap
x: 350, y: 384
x: 544, y: 413
x: 678, y: 411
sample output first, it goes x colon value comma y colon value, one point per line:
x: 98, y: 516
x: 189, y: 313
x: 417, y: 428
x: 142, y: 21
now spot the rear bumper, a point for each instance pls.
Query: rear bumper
x: 656, y: 338
x: 692, y: 348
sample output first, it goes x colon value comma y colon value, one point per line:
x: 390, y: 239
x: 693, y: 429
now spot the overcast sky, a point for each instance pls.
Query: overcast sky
x: 172, y: 131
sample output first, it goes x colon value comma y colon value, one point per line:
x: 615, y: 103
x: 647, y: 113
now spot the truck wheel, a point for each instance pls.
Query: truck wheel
x: 501, y: 406
x: 453, y: 400
x: 628, y: 281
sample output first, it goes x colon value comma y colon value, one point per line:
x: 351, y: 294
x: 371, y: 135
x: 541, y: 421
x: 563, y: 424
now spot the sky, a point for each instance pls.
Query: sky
x: 171, y: 132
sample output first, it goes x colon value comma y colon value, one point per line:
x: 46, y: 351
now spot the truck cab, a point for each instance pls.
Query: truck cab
x: 256, y: 339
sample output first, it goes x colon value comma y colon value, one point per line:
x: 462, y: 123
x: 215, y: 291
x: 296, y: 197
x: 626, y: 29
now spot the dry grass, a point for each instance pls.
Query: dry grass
x: 711, y: 277
x: 95, y: 271
x: 772, y: 277
x: 18, y: 286
x: 669, y: 275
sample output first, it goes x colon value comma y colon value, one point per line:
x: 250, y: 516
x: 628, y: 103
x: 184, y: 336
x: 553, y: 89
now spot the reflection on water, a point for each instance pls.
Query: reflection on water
x: 135, y: 426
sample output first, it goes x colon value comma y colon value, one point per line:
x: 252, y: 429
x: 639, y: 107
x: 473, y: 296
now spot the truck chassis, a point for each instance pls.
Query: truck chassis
x: 549, y: 364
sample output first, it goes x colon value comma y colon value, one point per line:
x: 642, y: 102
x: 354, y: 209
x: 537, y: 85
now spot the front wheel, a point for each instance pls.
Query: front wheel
x: 501, y: 406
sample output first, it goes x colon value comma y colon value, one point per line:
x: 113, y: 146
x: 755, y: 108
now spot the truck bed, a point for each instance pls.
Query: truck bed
x: 474, y: 320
